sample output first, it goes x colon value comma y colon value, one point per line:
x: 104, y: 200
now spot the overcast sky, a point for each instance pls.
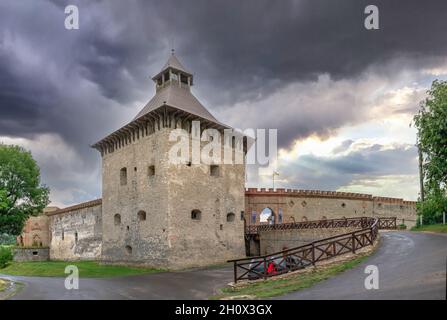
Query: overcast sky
x: 342, y: 97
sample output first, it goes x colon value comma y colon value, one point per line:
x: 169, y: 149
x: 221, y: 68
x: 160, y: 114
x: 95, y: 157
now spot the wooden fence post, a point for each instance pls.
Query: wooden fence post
x: 235, y: 271
x: 265, y: 268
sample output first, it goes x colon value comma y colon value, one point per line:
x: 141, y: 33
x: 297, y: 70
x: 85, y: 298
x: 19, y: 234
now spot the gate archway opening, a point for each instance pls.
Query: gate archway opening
x: 267, y: 216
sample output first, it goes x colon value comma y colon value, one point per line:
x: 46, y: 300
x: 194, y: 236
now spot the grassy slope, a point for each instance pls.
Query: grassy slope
x: 87, y: 269
x: 441, y: 228
x: 276, y: 287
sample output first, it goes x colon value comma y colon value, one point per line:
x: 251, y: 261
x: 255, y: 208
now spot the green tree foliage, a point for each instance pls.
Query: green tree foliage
x: 431, y: 123
x: 6, y: 256
x: 21, y: 193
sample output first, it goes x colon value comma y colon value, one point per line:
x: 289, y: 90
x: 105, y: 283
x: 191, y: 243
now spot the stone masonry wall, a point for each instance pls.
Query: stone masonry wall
x: 76, y: 232
x: 31, y: 254
x: 219, y: 233
x: 302, y: 205
x: 168, y: 193
x: 132, y: 240
x: 277, y: 240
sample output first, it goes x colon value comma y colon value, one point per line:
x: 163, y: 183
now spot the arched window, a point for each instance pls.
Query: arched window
x: 129, y: 250
x: 36, y: 241
x: 267, y: 216
x: 304, y: 203
x: 343, y: 205
x: 76, y: 237
x: 117, y: 219
x: 123, y: 176
x: 196, y: 214
x: 63, y: 235
x: 230, y: 217
x: 141, y: 215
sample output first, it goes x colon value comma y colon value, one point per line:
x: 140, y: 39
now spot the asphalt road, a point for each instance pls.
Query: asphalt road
x: 185, y: 285
x: 411, y: 266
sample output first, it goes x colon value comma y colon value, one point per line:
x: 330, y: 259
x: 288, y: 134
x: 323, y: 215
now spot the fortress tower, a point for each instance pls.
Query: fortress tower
x: 160, y: 213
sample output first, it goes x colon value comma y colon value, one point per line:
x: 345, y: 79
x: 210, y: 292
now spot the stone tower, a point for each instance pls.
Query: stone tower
x: 160, y: 213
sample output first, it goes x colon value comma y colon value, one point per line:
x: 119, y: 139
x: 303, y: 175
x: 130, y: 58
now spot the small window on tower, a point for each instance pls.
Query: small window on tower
x: 151, y: 171
x: 196, y: 214
x: 123, y: 176
x: 230, y: 217
x: 184, y: 79
x: 117, y: 219
x: 214, y: 170
x: 142, y: 215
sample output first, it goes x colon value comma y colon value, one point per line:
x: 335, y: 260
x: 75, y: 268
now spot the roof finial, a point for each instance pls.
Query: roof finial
x: 172, y: 45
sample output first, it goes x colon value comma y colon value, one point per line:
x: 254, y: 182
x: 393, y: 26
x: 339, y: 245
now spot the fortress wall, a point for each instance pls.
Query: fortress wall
x: 301, y: 205
x: 212, y: 239
x: 82, y: 221
x: 132, y: 240
x: 276, y: 240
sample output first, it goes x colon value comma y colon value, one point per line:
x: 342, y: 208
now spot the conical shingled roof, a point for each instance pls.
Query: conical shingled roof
x: 179, y: 98
x: 172, y: 94
x: 174, y: 63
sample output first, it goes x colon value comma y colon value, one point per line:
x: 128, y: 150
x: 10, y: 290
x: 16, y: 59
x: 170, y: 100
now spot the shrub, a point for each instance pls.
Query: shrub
x: 7, y: 239
x: 432, y: 208
x: 402, y: 226
x: 5, y: 256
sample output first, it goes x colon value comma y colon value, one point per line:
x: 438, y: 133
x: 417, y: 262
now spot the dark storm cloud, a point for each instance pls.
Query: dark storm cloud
x: 82, y: 84
x: 238, y: 50
x: 330, y: 173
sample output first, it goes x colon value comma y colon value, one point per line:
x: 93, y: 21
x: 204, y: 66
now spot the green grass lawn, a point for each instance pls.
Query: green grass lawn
x: 87, y: 269
x: 441, y: 228
x: 276, y: 287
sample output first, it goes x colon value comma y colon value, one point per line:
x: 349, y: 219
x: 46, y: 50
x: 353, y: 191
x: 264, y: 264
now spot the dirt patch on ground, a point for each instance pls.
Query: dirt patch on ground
x: 8, y: 288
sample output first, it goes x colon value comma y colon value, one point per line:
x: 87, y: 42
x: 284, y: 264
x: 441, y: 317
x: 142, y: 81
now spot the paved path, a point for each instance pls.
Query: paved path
x: 411, y: 265
x: 191, y: 284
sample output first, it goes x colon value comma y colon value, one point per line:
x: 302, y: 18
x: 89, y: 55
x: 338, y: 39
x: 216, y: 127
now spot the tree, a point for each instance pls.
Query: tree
x: 431, y: 123
x: 21, y: 194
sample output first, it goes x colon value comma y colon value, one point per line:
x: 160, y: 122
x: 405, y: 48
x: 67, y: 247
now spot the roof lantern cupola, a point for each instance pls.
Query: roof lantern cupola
x: 173, y: 73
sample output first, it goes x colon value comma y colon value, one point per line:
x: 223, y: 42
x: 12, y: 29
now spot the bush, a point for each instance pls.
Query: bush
x: 432, y: 208
x: 5, y: 256
x: 402, y: 226
x: 7, y: 239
